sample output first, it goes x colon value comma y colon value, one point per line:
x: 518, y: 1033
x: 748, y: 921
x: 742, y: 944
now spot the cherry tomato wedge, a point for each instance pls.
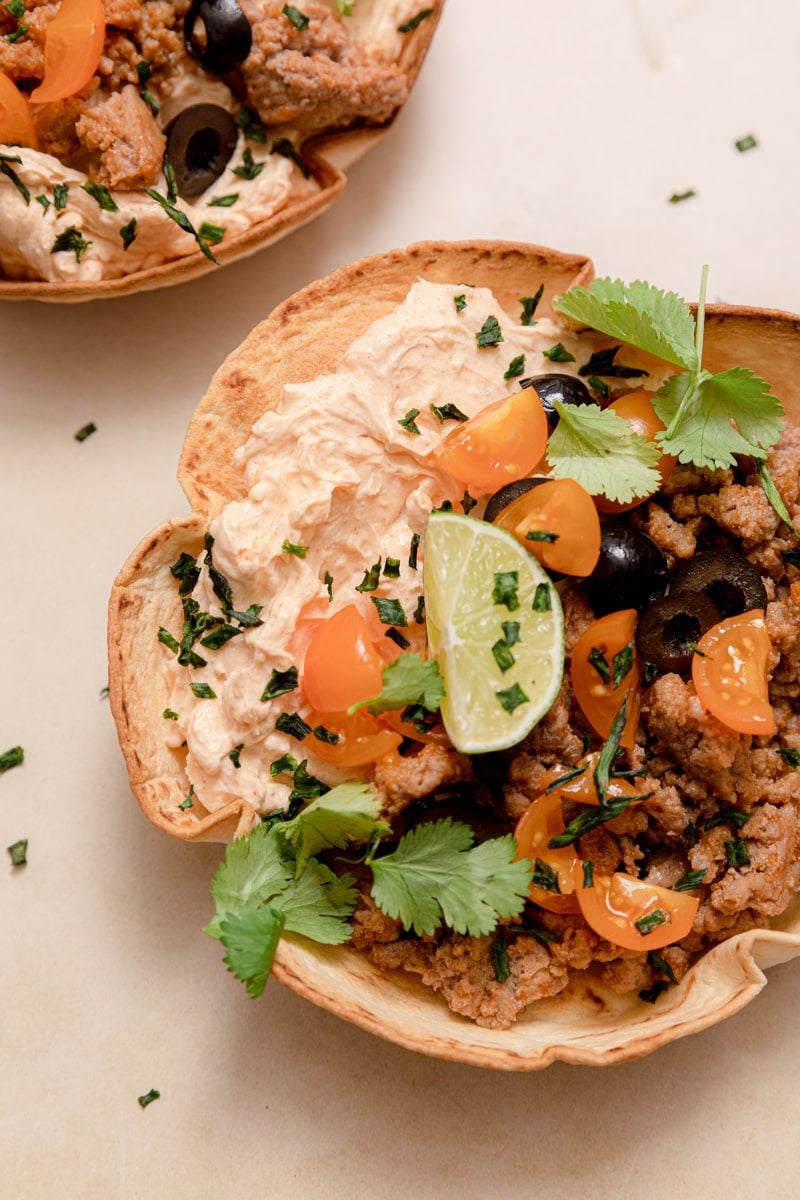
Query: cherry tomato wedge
x: 637, y: 408
x: 636, y: 915
x: 341, y: 665
x: 361, y: 739
x: 16, y: 123
x: 583, y: 789
x: 730, y: 673
x: 73, y: 44
x: 542, y: 821
x: 394, y: 720
x: 499, y: 445
x: 599, y: 655
x: 558, y: 522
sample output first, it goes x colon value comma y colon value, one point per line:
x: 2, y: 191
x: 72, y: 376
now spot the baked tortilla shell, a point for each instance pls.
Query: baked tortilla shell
x: 307, y: 335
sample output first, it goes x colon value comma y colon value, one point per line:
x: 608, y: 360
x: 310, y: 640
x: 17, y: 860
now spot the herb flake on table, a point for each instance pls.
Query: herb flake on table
x: 85, y: 431
x: 19, y: 853
x: 148, y: 1097
x: 679, y: 197
x: 14, y: 757
x: 748, y: 142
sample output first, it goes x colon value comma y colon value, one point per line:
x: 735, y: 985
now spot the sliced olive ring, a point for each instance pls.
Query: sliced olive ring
x: 668, y: 632
x: 564, y: 388
x: 724, y: 577
x: 200, y: 143
x: 631, y: 571
x: 509, y: 492
x: 228, y: 36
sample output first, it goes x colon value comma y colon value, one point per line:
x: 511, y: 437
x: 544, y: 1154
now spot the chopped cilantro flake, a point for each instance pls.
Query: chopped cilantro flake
x: 512, y: 697
x: 290, y: 548
x: 559, y: 353
x: 294, y: 725
x: 505, y: 590
x: 448, y: 412
x: 515, y: 367
x: 490, y: 333
x: 11, y: 758
x: 415, y: 21
x: 280, y: 684
x: 529, y: 306
x: 101, y: 195
x: 19, y: 852
x: 149, y: 1097
x: 389, y: 611
x: 541, y: 599
x: 371, y: 578
x: 69, y: 240
x: 128, y: 233
x: 460, y: 302
x: 409, y: 421
x: 85, y: 431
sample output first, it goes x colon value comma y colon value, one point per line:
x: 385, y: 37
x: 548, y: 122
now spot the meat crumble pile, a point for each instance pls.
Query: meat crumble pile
x: 696, y: 769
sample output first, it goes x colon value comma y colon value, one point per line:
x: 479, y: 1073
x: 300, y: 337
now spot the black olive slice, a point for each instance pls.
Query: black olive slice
x: 217, y: 34
x: 668, y: 630
x: 631, y: 571
x: 509, y: 492
x: 729, y: 581
x: 200, y: 142
x: 565, y: 388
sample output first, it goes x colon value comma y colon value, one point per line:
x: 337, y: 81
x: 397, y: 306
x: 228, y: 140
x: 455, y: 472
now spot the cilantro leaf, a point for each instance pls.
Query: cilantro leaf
x: 347, y: 813
x: 700, y: 414
x: 319, y: 903
x: 408, y: 680
x: 600, y: 451
x: 252, y: 872
x: 436, y: 876
x: 658, y: 322
x: 251, y: 939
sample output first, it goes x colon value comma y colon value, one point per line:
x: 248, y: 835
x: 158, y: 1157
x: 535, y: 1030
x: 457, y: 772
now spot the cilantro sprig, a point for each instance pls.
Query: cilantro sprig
x: 408, y: 680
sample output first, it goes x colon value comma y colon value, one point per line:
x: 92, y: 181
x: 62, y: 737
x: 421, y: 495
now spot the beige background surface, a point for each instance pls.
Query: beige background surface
x: 567, y: 124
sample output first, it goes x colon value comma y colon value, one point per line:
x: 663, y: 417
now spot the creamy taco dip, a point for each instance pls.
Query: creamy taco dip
x: 136, y: 132
x: 502, y: 647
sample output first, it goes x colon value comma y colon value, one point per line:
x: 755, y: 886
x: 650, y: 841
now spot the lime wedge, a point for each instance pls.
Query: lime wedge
x: 496, y: 627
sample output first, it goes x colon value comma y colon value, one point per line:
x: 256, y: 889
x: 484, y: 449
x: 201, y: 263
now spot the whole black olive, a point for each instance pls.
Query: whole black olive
x: 565, y: 388
x: 228, y: 36
x: 200, y: 142
x: 509, y: 492
x: 668, y: 630
x: 631, y: 571
x: 729, y: 581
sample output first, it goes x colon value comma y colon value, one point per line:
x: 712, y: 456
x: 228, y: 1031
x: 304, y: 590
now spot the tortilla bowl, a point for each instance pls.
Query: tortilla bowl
x: 587, y: 1023
x: 328, y: 157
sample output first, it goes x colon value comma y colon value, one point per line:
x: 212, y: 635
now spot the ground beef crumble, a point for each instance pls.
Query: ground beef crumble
x: 695, y: 767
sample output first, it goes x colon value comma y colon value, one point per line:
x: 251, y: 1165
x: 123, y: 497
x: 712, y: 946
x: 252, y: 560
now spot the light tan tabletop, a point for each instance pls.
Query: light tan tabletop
x: 568, y: 124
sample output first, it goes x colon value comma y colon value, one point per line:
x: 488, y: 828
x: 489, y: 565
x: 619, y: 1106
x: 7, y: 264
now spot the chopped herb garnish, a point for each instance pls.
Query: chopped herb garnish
x: 218, y: 637
x: 649, y: 672
x: 69, y: 240
x: 409, y: 421
x: 737, y: 853
x: 105, y: 692
x: 294, y: 725
x: 280, y: 684
x: 445, y: 506
x: 529, y: 306
x: 288, y: 149
x: 448, y: 412
x: 128, y: 233
x: 187, y: 572
x: 395, y: 636
x: 233, y: 754
x: 391, y: 568
x: 19, y: 852
x: 213, y: 234
x: 143, y: 71
x: 588, y: 873
x: 535, y: 931
x: 286, y: 764
x: 249, y: 619
x: 512, y: 697
x: 101, y: 195
x: 545, y: 877
x: 505, y: 590
x: 677, y: 197
x: 203, y: 691
x: 166, y: 639
x: 566, y: 778
x: 14, y: 757
x: 774, y: 496
x: 419, y: 611
x: 460, y: 302
x: 745, y: 143
x: 326, y: 735
x: 608, y: 755
x: 85, y: 431
x: 515, y: 367
x: 593, y: 817
x: 651, y: 994
x: 503, y: 656
x: 10, y: 173
x: 60, y: 192
x: 291, y: 548
x: 170, y: 180
x: 251, y: 125
x: 621, y: 664
x: 44, y: 201
x: 169, y: 714
x: 658, y: 963
x: 371, y: 579
x: 689, y: 881
x: 490, y: 333
x: 415, y: 22
x: 597, y: 659
x: 150, y: 101
x: 414, y: 550
x: 790, y: 756
x: 389, y: 611
x: 328, y: 582
x: 249, y: 169
x: 298, y: 19
x: 149, y: 1098
x: 306, y: 787
x: 16, y: 8
x: 602, y: 363
x: 541, y: 599
x: 19, y: 32
x: 181, y: 220
x: 189, y: 801
x: 468, y: 503
x: 224, y: 201
x: 599, y: 386
x: 558, y: 353
x: 499, y: 953
x: 736, y: 816
x: 541, y: 535
x: 511, y: 632
x: 651, y: 921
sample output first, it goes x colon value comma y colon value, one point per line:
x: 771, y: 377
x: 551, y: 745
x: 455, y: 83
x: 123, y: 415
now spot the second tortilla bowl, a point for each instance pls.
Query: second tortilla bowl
x: 303, y: 337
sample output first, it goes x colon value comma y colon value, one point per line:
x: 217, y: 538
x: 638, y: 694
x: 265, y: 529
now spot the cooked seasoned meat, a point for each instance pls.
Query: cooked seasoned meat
x: 126, y: 145
x: 315, y: 78
x: 398, y: 781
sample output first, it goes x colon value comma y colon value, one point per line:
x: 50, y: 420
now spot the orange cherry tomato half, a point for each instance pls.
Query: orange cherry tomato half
x: 361, y: 739
x: 342, y: 667
x: 730, y: 674
x: 73, y: 44
x: 499, y: 445
x: 583, y: 788
x: 563, y: 519
x: 394, y: 720
x: 637, y: 408
x: 600, y: 700
x: 16, y: 123
x: 542, y: 821
x: 614, y: 904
